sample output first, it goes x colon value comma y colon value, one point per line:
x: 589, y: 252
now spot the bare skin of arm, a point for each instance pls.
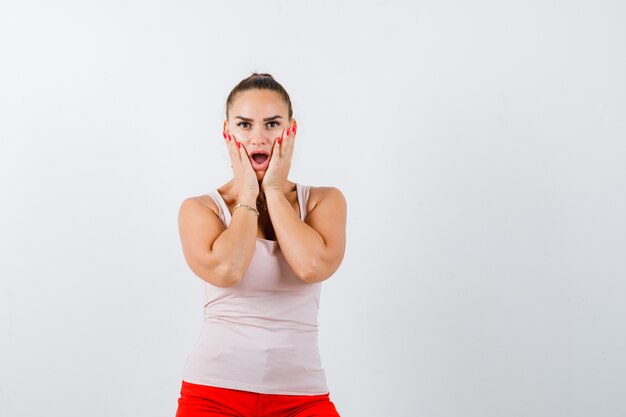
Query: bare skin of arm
x: 220, y: 255
x: 314, y: 249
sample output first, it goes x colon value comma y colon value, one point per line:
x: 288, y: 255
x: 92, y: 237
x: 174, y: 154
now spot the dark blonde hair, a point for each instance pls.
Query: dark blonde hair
x: 259, y: 81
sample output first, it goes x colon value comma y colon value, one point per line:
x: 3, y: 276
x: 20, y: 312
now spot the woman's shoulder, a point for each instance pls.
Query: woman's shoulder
x: 205, y: 201
x: 317, y: 194
x: 323, y: 189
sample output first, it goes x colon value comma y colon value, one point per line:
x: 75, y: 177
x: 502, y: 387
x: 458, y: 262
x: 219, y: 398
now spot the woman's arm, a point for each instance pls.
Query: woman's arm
x: 314, y: 249
x: 218, y: 255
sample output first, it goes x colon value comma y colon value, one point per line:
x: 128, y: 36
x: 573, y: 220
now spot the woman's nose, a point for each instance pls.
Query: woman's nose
x: 259, y: 139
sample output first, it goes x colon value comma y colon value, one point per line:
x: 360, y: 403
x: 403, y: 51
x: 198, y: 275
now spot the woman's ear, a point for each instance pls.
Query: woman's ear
x: 225, y: 129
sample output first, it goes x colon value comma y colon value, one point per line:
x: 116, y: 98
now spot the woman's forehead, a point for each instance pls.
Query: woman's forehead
x: 259, y: 104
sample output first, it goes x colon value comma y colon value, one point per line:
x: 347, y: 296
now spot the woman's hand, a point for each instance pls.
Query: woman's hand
x: 280, y: 160
x: 246, y: 181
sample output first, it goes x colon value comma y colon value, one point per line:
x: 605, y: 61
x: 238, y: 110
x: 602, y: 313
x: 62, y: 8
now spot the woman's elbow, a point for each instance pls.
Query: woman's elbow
x: 317, y: 273
x: 220, y: 274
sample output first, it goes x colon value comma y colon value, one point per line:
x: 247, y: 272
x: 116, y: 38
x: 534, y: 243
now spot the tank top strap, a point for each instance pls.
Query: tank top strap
x: 303, y: 197
x: 225, y: 215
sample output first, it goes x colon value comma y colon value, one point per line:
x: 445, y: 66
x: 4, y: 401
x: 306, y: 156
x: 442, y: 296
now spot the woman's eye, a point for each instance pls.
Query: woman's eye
x: 244, y: 125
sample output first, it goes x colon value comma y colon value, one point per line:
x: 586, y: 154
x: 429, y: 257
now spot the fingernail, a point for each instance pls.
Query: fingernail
x: 279, y: 140
x: 224, y: 133
x: 238, y: 145
x: 293, y: 128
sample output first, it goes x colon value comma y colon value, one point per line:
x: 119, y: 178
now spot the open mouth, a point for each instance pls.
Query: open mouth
x: 259, y: 159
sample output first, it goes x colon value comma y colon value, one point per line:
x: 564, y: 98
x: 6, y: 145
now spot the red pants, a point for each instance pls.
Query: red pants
x: 208, y: 401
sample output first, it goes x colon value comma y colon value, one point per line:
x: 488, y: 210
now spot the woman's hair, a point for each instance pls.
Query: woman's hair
x: 262, y: 82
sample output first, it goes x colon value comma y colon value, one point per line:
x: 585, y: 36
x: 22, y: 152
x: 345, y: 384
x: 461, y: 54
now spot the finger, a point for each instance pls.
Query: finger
x: 243, y: 153
x: 227, y: 142
x: 229, y: 146
x: 282, y: 142
x: 276, y: 147
x: 289, y: 145
x: 235, y: 144
x: 272, y: 153
x: 235, y: 155
x: 276, y: 143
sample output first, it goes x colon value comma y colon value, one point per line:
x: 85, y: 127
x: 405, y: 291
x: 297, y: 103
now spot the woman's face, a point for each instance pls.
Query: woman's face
x: 257, y: 118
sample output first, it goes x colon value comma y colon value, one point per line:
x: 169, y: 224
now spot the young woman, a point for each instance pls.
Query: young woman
x: 263, y: 245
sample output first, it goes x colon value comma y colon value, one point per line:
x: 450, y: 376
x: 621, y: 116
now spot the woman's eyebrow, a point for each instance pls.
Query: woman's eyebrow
x: 265, y: 120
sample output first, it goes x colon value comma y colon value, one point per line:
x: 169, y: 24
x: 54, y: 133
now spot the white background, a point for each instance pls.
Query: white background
x: 479, y: 144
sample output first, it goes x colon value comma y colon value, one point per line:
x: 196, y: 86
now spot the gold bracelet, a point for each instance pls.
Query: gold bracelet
x: 248, y: 207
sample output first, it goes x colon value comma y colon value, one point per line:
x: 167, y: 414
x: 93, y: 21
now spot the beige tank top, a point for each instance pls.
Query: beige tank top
x: 261, y: 334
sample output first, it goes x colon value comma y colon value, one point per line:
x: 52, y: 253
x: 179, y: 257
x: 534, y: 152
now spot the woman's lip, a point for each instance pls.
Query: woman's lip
x: 260, y: 167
